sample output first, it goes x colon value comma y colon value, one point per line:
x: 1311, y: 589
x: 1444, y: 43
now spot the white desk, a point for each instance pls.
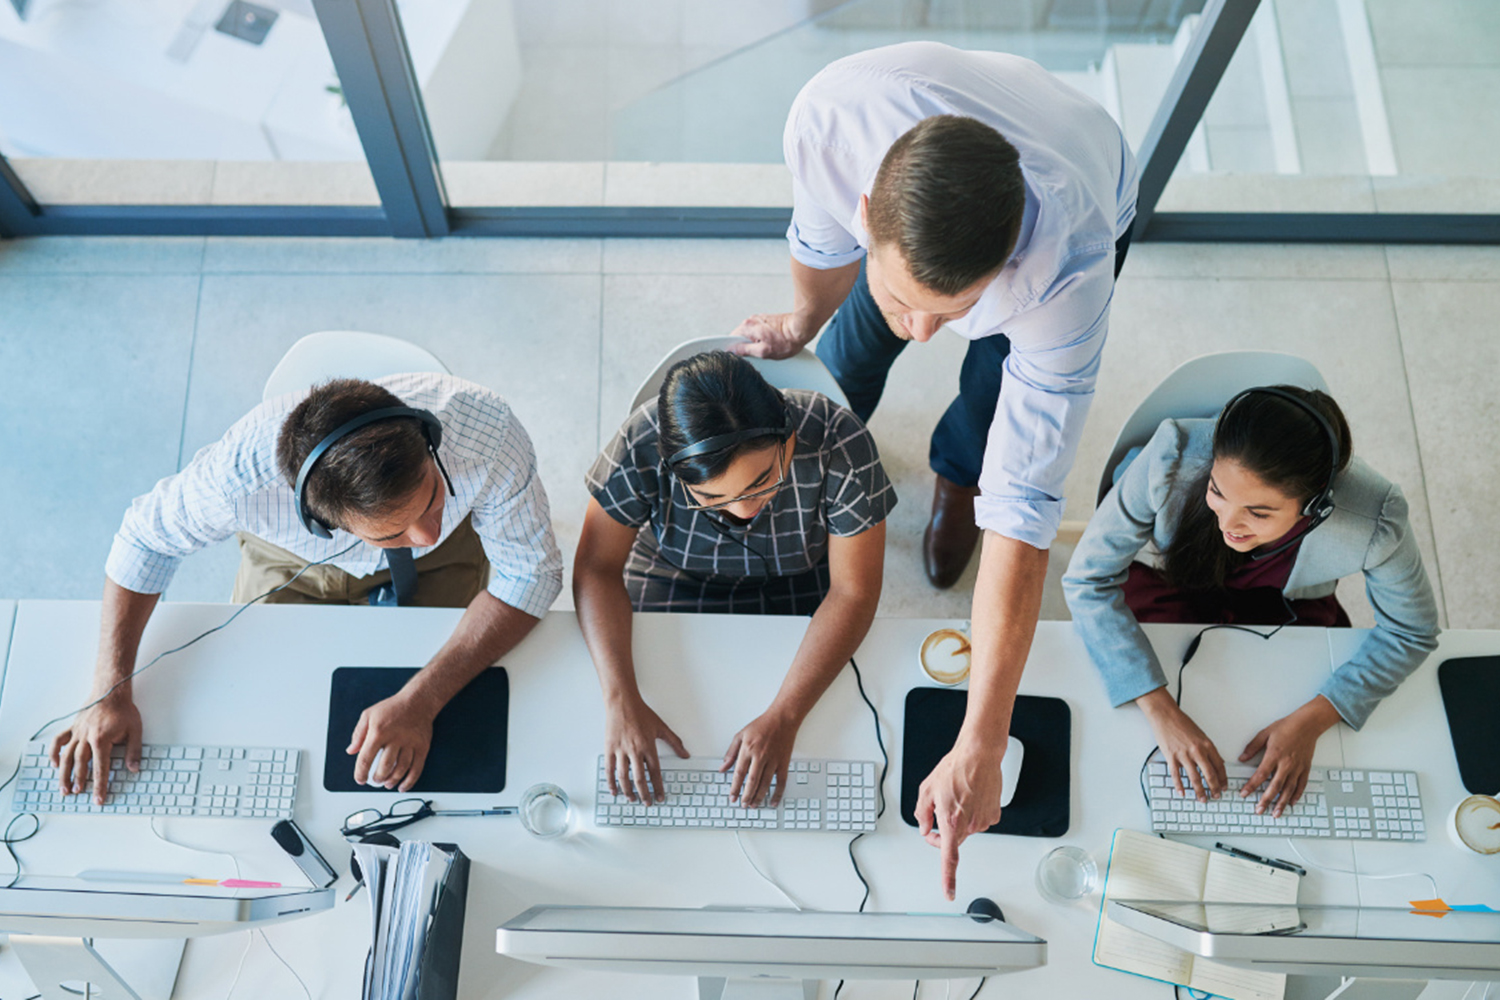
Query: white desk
x: 265, y: 680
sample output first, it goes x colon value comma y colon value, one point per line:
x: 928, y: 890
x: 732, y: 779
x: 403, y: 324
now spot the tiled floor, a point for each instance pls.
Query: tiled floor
x: 120, y: 357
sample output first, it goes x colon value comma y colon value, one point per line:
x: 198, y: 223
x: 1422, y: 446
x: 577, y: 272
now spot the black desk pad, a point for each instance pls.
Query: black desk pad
x: 1471, y: 697
x: 468, y: 735
x: 1043, y: 725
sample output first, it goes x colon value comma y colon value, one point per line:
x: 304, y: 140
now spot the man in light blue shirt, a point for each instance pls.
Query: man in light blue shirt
x: 935, y: 187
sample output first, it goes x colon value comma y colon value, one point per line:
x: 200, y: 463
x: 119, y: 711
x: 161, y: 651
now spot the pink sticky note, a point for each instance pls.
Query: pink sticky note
x: 239, y: 883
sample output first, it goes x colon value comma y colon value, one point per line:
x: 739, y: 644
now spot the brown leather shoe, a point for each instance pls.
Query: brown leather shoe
x: 951, y: 535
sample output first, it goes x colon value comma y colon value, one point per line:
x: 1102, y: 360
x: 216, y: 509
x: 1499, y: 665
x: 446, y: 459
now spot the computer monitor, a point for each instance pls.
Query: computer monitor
x: 127, y: 938
x: 747, y: 943
x: 1379, y: 942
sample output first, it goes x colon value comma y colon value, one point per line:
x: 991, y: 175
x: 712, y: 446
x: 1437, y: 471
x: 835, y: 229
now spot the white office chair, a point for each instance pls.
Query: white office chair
x: 803, y: 370
x: 318, y: 357
x: 1200, y: 388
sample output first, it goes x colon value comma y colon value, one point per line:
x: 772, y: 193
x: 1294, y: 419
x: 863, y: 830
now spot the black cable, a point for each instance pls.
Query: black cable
x: 176, y: 649
x: 982, y: 981
x: 8, y: 840
x: 885, y: 766
x: 1187, y: 657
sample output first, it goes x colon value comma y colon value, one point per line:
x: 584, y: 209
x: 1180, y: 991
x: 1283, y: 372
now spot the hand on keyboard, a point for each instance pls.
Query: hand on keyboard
x: 1288, y: 744
x: 759, y: 752
x: 88, y: 741
x: 631, y: 730
x: 1184, y: 746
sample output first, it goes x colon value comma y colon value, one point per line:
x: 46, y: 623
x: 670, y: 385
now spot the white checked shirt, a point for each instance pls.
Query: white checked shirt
x: 235, y: 485
x: 1051, y: 299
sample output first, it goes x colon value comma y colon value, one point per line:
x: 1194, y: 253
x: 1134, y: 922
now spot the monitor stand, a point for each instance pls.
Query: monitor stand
x: 138, y: 969
x: 711, y: 988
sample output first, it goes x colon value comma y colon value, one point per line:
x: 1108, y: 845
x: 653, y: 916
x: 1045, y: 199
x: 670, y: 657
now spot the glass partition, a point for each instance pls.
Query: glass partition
x: 175, y: 102
x: 1354, y: 106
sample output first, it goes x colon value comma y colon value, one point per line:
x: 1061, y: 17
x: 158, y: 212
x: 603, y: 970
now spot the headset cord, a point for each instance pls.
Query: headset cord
x: 1187, y: 657
x: 175, y: 649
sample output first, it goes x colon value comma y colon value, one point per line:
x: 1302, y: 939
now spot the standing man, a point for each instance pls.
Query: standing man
x: 412, y: 486
x: 936, y: 187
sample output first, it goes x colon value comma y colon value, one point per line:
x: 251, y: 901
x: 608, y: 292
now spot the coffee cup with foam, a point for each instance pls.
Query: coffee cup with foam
x: 945, y: 655
x: 1475, y: 824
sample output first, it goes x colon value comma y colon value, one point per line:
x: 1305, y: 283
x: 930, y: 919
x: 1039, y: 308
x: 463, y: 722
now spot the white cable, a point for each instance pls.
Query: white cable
x: 1347, y: 871
x: 196, y: 850
x: 306, y: 992
x: 768, y: 879
x: 249, y: 943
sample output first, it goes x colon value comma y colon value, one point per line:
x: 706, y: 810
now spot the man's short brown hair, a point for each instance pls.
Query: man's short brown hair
x: 949, y: 196
x: 367, y: 473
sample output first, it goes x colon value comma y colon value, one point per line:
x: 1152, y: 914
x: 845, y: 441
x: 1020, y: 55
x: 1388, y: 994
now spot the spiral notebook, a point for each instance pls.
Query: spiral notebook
x: 1145, y: 867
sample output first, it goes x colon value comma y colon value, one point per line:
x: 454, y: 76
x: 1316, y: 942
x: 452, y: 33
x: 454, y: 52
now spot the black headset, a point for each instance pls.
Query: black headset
x: 432, y: 431
x: 723, y: 442
x: 1319, y: 506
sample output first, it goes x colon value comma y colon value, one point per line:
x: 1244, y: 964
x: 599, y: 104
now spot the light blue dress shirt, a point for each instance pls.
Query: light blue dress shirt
x: 1051, y: 299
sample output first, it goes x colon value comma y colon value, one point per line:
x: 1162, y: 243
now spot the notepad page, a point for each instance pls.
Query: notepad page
x: 1145, y: 867
x: 1234, y: 983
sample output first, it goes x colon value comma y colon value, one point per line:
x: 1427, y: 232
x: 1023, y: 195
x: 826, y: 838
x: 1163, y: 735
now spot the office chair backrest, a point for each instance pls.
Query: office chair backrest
x: 1200, y: 388
x: 802, y: 370
x: 318, y: 357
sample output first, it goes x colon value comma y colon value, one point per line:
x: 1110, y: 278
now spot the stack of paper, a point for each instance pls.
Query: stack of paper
x: 403, y: 887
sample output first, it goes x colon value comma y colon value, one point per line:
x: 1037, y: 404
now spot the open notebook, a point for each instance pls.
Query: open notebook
x: 1146, y: 867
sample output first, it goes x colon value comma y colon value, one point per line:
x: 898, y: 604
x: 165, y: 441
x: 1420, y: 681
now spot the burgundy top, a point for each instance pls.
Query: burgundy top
x: 1252, y: 595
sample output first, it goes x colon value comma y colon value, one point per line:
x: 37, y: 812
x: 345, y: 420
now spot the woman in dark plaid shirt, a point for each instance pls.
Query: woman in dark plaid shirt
x: 726, y: 495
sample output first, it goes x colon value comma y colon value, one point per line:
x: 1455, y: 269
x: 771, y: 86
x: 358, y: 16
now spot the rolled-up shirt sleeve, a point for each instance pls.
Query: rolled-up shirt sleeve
x: 182, y: 514
x: 1045, y: 396
x: 513, y: 520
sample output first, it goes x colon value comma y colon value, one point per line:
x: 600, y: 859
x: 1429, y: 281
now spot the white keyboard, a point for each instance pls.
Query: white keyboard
x: 173, y: 781
x: 1338, y: 804
x: 826, y: 795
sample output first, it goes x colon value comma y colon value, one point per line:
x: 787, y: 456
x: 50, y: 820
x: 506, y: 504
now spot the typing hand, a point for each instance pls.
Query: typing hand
x: 759, y: 752
x: 771, y: 335
x: 403, y: 731
x: 1184, y: 746
x: 1289, y: 744
x: 631, y: 730
x: 961, y: 796
x: 89, y: 740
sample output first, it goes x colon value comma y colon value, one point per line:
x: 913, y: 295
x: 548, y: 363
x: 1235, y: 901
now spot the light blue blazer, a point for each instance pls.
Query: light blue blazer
x: 1367, y: 533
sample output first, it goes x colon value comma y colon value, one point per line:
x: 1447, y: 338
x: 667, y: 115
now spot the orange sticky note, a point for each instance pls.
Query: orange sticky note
x: 1430, y: 907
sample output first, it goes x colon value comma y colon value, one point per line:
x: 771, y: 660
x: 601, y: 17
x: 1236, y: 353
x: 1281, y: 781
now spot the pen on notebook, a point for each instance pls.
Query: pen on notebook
x: 1285, y: 866
x: 357, y: 886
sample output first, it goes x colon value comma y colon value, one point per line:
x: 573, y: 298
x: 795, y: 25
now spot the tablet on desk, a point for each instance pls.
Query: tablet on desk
x: 468, y: 735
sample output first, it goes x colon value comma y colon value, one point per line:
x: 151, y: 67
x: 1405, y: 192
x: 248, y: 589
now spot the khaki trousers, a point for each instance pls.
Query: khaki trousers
x: 450, y: 576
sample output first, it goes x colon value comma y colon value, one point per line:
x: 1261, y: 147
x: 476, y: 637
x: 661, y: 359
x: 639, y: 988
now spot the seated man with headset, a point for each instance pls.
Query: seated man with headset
x: 331, y: 491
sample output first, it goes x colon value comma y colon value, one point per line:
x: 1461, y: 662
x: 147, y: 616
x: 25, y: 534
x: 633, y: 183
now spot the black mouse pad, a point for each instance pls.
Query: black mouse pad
x: 1043, y: 725
x: 468, y: 735
x: 1471, y: 697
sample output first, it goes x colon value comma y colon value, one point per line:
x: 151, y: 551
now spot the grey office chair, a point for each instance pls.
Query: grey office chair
x: 803, y: 370
x: 318, y: 357
x: 1200, y: 388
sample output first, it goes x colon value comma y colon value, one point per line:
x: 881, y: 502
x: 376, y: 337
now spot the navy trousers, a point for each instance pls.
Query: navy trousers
x: 859, y: 348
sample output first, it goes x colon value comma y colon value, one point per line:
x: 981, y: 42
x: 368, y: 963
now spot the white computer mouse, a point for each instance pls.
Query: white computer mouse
x: 375, y: 769
x: 1010, y: 770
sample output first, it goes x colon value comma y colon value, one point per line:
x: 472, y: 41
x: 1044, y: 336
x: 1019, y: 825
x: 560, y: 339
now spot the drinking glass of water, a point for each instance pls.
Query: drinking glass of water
x: 1066, y: 875
x: 545, y: 811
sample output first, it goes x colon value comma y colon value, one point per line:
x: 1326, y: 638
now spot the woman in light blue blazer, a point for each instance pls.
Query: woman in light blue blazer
x: 1251, y: 519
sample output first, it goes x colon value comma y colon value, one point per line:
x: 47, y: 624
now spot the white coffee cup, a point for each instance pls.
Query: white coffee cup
x: 1475, y: 824
x: 944, y: 656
